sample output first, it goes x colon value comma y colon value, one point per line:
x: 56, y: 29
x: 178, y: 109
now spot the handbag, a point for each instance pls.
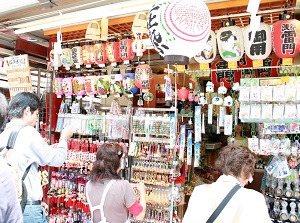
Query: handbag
x: 223, y: 203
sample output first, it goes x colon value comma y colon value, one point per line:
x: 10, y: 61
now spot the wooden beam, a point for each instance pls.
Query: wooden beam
x: 111, y: 22
x: 235, y: 3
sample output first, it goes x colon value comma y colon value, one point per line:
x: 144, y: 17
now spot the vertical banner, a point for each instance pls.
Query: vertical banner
x: 18, y: 74
x: 228, y: 125
x: 222, y: 116
x: 197, y: 154
x: 210, y: 114
x: 172, y: 131
x: 182, y: 142
x: 189, y: 147
x: 197, y: 124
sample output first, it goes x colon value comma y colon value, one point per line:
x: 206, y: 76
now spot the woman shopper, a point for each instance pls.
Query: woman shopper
x: 237, y: 164
x: 110, y: 198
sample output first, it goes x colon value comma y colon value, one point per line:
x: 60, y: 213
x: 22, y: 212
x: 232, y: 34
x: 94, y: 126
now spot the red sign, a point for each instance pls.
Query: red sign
x: 286, y: 38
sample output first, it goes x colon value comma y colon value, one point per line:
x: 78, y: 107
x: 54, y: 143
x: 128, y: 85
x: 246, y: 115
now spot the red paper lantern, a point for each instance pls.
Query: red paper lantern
x: 143, y: 77
x: 286, y: 37
x: 183, y: 94
x: 113, y: 49
x: 100, y: 53
x: 126, y: 53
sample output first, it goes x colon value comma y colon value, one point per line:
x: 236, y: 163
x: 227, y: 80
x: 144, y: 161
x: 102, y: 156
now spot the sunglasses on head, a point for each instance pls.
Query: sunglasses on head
x: 120, y: 154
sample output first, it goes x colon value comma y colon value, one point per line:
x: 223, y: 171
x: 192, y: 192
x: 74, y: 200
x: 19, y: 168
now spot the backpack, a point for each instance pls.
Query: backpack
x: 7, y: 156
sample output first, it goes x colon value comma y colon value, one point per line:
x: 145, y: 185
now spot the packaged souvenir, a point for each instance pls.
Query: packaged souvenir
x: 274, y: 146
x: 253, y: 145
x: 290, y: 93
x: 255, y: 112
x: 244, y: 111
x: 266, y: 93
x: 290, y: 111
x: 278, y: 111
x: 244, y: 95
x: 278, y: 93
x: 255, y: 93
x: 266, y: 111
x: 264, y: 145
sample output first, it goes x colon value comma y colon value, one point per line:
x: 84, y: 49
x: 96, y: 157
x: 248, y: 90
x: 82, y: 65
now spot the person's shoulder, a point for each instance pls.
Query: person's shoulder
x: 252, y: 194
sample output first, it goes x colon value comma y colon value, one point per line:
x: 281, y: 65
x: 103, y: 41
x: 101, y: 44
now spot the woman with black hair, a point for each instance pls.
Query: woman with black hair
x: 110, y: 198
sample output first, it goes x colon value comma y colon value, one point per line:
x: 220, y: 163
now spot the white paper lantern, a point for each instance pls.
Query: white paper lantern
x: 261, y: 47
x: 207, y: 51
x: 177, y: 27
x: 230, y: 43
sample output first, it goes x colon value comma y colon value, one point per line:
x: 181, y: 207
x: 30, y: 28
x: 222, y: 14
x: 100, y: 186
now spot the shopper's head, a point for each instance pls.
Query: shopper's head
x: 107, y: 164
x: 3, y: 109
x: 237, y: 161
x: 25, y: 106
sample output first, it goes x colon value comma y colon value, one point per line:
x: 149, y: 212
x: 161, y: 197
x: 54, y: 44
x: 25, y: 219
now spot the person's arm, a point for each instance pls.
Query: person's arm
x: 141, y: 188
x: 10, y: 208
x: 40, y: 152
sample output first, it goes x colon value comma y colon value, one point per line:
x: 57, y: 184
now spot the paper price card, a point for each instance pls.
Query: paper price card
x: 287, y: 61
x: 232, y: 64
x: 257, y: 63
x: 204, y: 66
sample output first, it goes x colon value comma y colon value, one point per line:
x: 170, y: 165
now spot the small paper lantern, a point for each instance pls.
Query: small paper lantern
x: 143, y: 77
x: 55, y: 59
x: 90, y: 84
x: 103, y: 85
x: 57, y: 86
x: 78, y: 85
x: 67, y: 86
x: 88, y: 54
x: 129, y: 82
x: 207, y: 51
x: 138, y: 45
x: 77, y: 55
x: 115, y: 81
x: 261, y: 47
x: 100, y: 53
x: 126, y: 53
x: 230, y: 42
x: 177, y: 28
x: 93, y: 30
x: 113, y: 49
x: 183, y: 94
x: 286, y: 37
x: 66, y: 58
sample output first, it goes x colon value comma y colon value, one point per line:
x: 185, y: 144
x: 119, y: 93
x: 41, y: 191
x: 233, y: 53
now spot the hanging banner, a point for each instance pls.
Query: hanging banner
x: 189, y: 147
x: 172, y: 131
x: 197, y: 125
x: 18, y: 74
x: 182, y: 142
x: 197, y: 154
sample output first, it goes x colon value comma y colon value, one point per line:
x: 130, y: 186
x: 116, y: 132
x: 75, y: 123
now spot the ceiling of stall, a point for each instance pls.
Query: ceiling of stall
x: 14, y: 13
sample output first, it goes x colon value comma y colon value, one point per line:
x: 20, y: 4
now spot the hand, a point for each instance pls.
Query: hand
x: 140, y: 187
x: 66, y: 133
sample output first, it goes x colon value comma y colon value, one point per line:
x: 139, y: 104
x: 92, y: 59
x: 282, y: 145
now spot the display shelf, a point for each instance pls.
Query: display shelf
x: 281, y: 121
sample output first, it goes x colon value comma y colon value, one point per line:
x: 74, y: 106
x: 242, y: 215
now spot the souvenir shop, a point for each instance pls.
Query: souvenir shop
x: 218, y: 87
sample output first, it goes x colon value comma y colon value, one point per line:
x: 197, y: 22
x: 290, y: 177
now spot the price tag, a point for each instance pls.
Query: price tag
x: 257, y: 63
x: 285, y: 79
x: 204, y: 66
x: 180, y: 68
x: 232, y: 64
x: 287, y: 61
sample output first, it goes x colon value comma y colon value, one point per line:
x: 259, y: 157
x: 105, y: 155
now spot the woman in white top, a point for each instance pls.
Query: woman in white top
x: 237, y: 163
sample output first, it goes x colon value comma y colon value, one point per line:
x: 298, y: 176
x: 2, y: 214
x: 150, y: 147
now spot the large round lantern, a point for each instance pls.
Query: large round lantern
x: 100, y: 53
x: 261, y: 46
x: 143, y: 77
x: 77, y: 55
x: 126, y: 48
x: 66, y: 57
x: 88, y: 54
x: 177, y: 28
x: 129, y: 82
x: 286, y: 37
x: 113, y: 49
x: 230, y: 42
x: 208, y: 51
